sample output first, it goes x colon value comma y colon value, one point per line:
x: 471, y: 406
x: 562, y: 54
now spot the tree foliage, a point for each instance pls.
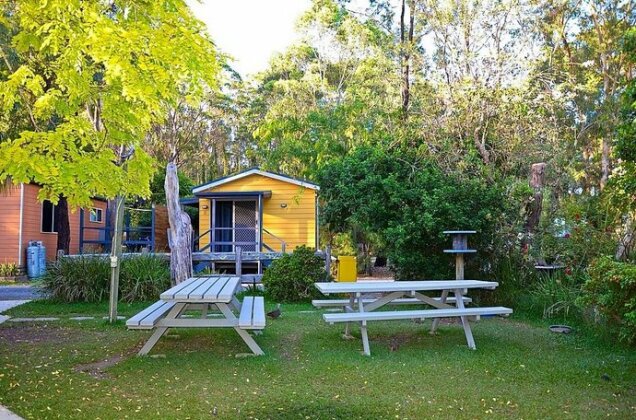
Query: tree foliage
x: 93, y: 77
x: 407, y: 203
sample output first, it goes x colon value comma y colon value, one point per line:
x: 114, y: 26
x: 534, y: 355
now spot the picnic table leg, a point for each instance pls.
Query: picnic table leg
x: 467, y: 331
x: 247, y: 338
x: 365, y: 338
x: 347, y: 333
x: 363, y: 328
x: 160, y: 331
x: 436, y: 320
x: 249, y: 341
x: 204, y: 311
x: 235, y: 304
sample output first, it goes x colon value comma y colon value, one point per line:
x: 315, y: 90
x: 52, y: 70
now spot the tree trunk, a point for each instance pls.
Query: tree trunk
x: 62, y: 226
x: 534, y: 208
x: 626, y: 242
x: 406, y: 40
x: 180, y: 237
x: 605, y: 162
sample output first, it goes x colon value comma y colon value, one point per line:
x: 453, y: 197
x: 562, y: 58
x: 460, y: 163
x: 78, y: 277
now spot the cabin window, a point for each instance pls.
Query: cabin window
x: 48, y: 217
x: 96, y: 215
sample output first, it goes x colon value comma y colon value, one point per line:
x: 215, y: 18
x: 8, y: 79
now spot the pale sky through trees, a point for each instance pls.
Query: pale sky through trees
x: 251, y: 31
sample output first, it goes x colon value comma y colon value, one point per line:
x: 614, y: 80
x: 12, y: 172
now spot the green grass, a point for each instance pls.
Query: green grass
x: 519, y: 370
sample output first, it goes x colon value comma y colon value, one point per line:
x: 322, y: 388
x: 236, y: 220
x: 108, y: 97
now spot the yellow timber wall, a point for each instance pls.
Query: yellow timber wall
x: 295, y: 224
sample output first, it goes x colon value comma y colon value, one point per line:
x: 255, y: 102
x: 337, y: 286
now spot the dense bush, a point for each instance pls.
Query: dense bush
x: 406, y: 203
x: 580, y: 230
x: 87, y: 279
x: 291, y: 278
x: 611, y: 289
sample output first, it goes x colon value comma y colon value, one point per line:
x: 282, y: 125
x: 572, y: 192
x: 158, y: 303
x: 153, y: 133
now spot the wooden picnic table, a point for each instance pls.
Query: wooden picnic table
x: 361, y: 307
x: 202, y: 294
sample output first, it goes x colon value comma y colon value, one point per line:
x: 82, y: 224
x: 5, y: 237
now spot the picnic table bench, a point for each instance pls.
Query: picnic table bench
x: 360, y: 308
x: 202, y: 294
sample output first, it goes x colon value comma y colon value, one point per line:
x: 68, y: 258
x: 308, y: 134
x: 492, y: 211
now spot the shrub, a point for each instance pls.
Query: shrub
x: 291, y: 278
x: 8, y: 270
x: 87, y: 279
x: 143, y: 278
x: 580, y: 231
x: 611, y: 289
x: 557, y: 294
x: 406, y: 203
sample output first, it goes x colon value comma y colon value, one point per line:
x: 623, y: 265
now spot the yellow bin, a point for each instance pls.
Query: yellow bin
x: 347, y: 269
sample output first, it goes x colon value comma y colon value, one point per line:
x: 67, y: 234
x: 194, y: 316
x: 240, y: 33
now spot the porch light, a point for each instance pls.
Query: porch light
x: 283, y: 205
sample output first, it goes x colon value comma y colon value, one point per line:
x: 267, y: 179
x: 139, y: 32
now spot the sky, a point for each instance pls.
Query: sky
x: 251, y: 31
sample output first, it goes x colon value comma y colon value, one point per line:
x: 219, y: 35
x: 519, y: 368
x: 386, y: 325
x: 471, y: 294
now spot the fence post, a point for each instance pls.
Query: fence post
x: 328, y: 261
x: 152, y: 228
x: 239, y: 260
x: 81, y: 232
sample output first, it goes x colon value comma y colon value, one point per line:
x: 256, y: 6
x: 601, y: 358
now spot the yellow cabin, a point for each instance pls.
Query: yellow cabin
x: 259, y: 211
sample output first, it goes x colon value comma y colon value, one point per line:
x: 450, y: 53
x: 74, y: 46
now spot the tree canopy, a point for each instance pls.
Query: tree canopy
x: 92, y: 78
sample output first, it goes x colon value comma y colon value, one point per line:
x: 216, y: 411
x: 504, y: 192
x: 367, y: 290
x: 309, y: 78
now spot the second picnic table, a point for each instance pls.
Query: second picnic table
x: 361, y: 308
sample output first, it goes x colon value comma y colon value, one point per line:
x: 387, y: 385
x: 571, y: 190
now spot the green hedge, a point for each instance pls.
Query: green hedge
x: 87, y: 279
x: 291, y: 278
x: 611, y: 289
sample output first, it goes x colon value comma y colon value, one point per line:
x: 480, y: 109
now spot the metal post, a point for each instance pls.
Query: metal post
x: 152, y: 232
x: 328, y: 261
x: 239, y: 260
x: 81, y: 232
x: 115, y: 259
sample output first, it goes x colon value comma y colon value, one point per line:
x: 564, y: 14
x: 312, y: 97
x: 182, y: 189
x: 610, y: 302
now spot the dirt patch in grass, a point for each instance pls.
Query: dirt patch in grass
x: 289, y: 346
x: 38, y: 334
x: 395, y: 341
x: 98, y: 369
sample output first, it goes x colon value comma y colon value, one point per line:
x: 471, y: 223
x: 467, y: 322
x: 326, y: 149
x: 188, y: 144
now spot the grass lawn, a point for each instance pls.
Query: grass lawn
x: 65, y: 370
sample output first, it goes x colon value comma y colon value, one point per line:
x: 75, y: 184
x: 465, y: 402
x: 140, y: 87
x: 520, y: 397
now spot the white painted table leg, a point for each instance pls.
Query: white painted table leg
x: 249, y: 341
x: 152, y: 341
x: 467, y: 331
x: 204, y: 311
x: 365, y: 339
x: 347, y: 332
x: 247, y: 338
x: 235, y: 304
x: 363, y: 327
x: 160, y: 331
x: 436, y: 320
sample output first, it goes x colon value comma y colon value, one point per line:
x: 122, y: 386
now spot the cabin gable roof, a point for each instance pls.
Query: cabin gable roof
x: 254, y: 171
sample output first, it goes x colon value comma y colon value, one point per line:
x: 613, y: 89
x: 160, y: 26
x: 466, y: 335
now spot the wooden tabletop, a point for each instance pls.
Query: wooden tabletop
x: 402, y: 286
x: 211, y: 289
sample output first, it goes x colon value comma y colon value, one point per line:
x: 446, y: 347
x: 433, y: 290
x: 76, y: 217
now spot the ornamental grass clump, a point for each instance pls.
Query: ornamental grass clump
x: 87, y: 279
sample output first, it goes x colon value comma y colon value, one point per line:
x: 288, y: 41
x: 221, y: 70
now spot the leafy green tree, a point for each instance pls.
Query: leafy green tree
x: 407, y: 202
x: 93, y: 77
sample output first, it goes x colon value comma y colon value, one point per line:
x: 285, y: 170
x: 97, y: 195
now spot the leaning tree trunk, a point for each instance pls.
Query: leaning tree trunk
x: 62, y: 226
x: 180, y: 236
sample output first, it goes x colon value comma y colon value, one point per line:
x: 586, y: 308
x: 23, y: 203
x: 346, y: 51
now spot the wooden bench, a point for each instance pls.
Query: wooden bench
x: 322, y: 303
x: 416, y: 314
x: 252, y: 316
x: 148, y: 318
